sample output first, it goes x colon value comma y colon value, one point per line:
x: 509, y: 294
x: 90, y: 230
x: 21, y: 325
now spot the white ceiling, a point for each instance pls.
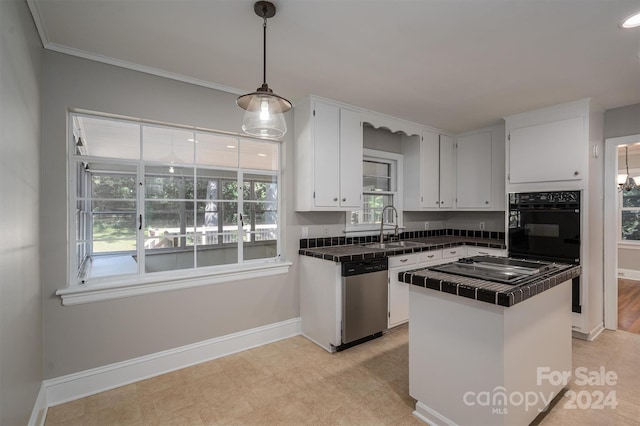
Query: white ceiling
x: 453, y: 64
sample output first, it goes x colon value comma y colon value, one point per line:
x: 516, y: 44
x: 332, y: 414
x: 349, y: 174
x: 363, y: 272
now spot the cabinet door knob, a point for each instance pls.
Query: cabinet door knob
x: 344, y: 199
x: 486, y: 202
x: 335, y: 199
x: 403, y: 260
x: 576, y: 173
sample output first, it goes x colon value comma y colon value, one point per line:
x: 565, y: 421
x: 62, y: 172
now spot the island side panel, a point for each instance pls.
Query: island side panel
x: 537, y: 335
x: 465, y: 354
x: 455, y: 346
x: 320, y: 301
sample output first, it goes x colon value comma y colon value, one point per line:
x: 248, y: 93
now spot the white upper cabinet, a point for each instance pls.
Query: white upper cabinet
x: 429, y: 171
x: 547, y: 152
x: 328, y: 152
x: 350, y: 159
x: 473, y: 171
x: 447, y: 172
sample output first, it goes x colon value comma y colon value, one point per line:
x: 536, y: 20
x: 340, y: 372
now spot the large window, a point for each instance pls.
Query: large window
x: 151, y: 199
x: 380, y: 183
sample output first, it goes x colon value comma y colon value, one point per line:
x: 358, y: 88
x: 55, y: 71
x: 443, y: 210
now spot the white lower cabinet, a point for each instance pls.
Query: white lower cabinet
x: 398, y: 290
x: 484, y: 251
x: 454, y: 253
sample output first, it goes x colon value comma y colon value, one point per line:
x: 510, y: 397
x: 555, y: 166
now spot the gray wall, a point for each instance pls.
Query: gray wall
x: 620, y: 122
x: 381, y: 139
x: 81, y: 337
x: 20, y: 290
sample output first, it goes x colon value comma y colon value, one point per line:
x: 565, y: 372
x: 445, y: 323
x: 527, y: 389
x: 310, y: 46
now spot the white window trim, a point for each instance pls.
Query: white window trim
x: 117, y: 287
x: 370, y: 229
x: 174, y: 280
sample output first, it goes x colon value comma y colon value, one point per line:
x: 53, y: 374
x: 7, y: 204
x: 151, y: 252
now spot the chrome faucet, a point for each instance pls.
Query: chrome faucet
x: 382, y: 222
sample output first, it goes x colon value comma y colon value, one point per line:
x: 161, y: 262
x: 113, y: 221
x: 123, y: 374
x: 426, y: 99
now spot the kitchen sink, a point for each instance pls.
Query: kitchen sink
x: 394, y: 244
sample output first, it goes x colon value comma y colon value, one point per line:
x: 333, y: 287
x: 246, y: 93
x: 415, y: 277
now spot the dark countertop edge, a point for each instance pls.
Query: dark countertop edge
x: 517, y: 294
x: 312, y: 252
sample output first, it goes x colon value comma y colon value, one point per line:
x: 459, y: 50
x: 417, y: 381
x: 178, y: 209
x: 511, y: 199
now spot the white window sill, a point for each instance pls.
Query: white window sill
x: 127, y: 287
x: 629, y: 245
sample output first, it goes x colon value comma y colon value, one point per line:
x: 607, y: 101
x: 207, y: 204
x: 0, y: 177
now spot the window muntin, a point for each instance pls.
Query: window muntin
x: 162, y: 212
x: 376, y: 176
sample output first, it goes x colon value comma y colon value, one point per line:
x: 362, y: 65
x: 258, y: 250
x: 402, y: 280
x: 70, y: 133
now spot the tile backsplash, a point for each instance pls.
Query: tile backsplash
x: 340, y: 241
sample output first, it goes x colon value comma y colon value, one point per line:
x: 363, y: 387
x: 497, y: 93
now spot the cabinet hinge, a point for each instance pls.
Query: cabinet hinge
x: 388, y: 314
x: 314, y: 195
x: 314, y: 112
x: 509, y: 137
x: 509, y: 177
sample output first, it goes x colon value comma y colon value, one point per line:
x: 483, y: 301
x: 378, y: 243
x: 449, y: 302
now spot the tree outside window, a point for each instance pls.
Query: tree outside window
x: 630, y: 216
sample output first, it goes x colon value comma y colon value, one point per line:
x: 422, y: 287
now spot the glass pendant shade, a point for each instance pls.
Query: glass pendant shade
x: 264, y: 113
x: 629, y: 183
x: 264, y: 109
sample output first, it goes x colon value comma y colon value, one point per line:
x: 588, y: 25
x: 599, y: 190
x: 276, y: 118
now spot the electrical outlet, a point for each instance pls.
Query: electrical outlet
x: 305, y: 232
x: 426, y: 226
x: 325, y: 231
x: 482, y: 226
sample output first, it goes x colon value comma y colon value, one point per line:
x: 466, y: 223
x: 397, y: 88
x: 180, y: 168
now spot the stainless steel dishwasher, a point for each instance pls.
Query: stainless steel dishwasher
x: 365, y: 300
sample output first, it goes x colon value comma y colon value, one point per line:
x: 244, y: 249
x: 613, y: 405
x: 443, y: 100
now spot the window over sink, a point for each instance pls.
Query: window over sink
x: 381, y: 187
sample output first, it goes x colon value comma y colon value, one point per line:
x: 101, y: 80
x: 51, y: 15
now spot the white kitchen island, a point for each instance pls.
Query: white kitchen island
x: 476, y: 362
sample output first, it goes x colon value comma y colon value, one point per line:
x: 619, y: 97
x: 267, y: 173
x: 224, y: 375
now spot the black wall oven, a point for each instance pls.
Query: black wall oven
x: 546, y: 226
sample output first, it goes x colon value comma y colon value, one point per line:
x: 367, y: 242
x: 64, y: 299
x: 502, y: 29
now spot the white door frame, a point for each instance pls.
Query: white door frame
x: 611, y: 228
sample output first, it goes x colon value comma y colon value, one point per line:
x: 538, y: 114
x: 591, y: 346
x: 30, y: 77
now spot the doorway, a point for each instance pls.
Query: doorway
x: 629, y: 303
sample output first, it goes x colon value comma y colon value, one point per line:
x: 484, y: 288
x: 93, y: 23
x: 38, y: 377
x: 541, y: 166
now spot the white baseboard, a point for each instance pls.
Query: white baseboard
x: 430, y: 416
x: 629, y: 274
x: 591, y: 335
x: 78, y: 385
x: 39, y: 412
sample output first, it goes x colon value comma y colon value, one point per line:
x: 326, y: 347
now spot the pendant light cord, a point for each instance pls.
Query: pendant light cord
x: 626, y: 157
x: 264, y: 46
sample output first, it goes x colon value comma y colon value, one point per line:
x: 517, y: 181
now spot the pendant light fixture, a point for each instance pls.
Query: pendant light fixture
x: 629, y: 183
x: 264, y: 116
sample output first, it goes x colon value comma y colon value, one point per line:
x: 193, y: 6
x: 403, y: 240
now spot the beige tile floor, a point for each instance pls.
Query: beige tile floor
x: 294, y: 382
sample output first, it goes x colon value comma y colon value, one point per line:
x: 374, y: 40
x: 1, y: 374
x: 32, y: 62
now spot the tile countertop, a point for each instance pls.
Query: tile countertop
x: 349, y: 252
x: 489, y: 291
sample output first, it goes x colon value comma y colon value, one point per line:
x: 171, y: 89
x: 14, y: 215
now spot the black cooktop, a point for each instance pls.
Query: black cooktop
x: 499, y: 269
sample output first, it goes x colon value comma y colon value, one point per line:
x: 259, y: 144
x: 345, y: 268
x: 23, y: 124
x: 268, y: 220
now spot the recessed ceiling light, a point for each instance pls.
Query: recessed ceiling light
x: 231, y: 146
x: 192, y: 140
x: 632, y: 21
x: 262, y: 155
